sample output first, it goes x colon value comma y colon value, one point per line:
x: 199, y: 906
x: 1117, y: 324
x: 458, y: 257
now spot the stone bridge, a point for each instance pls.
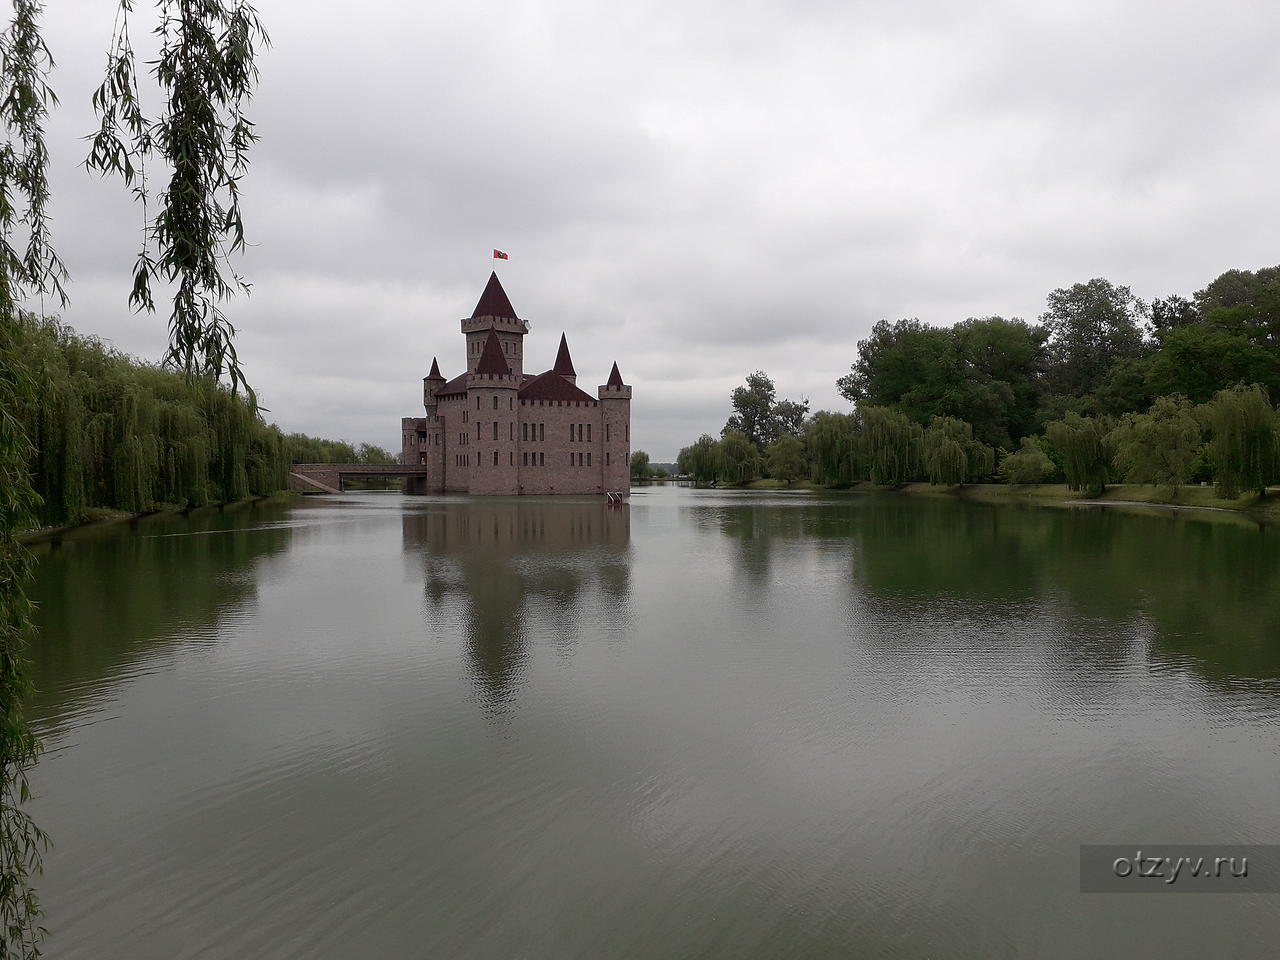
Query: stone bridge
x: 328, y: 477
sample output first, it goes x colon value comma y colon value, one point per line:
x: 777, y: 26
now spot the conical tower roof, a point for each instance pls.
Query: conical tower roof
x: 615, y: 378
x: 435, y: 373
x: 493, y: 302
x: 491, y: 358
x: 564, y: 363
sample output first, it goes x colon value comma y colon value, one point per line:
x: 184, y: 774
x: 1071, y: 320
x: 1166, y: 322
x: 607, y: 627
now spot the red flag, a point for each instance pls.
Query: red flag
x: 499, y: 255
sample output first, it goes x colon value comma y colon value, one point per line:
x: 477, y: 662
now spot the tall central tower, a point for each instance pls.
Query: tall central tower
x: 494, y: 312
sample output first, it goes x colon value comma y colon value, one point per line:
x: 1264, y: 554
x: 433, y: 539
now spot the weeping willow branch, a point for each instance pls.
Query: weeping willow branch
x: 207, y: 70
x: 28, y: 266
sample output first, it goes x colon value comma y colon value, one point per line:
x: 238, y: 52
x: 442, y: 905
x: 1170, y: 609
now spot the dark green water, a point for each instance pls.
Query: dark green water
x: 708, y: 726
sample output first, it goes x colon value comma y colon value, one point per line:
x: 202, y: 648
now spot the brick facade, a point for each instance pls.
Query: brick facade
x: 497, y: 431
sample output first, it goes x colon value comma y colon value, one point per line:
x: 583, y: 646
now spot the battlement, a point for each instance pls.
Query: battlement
x: 501, y: 324
x: 501, y: 381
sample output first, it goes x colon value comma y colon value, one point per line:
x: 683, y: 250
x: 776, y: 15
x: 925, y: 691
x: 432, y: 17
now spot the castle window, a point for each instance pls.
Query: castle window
x: 513, y: 458
x: 511, y: 403
x: 542, y: 459
x: 495, y: 401
x: 524, y: 458
x: 628, y: 433
x: 579, y: 433
x: 524, y: 432
x: 477, y: 403
x: 571, y: 433
x: 495, y: 431
x: 542, y: 431
x: 588, y: 433
x: 606, y: 458
x: 588, y: 458
x: 495, y: 458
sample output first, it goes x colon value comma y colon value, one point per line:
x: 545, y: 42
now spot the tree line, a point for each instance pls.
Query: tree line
x: 108, y: 431
x: 1103, y: 388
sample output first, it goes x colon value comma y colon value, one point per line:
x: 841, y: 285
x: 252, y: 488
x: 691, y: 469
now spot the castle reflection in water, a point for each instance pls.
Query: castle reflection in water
x: 510, y: 574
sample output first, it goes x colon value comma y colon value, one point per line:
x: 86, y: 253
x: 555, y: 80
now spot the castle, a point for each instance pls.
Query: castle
x: 498, y: 431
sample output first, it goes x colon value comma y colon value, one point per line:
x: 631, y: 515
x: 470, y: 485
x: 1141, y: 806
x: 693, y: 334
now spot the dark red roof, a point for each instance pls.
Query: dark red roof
x: 493, y: 302
x: 564, y: 363
x: 552, y: 386
x: 457, y: 385
x: 615, y: 378
x: 435, y: 370
x: 491, y: 358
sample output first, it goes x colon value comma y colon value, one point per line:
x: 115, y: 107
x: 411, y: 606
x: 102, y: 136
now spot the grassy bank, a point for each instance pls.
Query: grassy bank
x: 102, y: 518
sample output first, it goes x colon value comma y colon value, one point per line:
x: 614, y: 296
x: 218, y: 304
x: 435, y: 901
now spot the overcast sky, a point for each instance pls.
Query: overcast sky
x: 694, y: 190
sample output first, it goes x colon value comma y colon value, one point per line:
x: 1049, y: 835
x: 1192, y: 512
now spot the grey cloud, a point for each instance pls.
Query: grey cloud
x: 696, y: 192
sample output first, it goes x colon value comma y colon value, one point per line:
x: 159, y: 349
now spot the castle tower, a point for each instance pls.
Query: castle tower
x: 494, y: 313
x: 493, y: 414
x: 431, y: 383
x: 564, y: 363
x: 615, y: 416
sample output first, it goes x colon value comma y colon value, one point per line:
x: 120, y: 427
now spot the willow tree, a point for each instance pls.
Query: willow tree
x: 740, y: 461
x: 701, y: 460
x: 34, y: 270
x: 950, y: 454
x: 1159, y: 446
x: 207, y: 71
x: 891, y: 445
x: 1028, y: 464
x: 1082, y: 442
x: 1245, y: 440
x: 832, y: 442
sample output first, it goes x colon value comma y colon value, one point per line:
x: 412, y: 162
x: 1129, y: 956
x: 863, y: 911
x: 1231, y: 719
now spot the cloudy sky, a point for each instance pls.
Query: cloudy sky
x: 694, y: 190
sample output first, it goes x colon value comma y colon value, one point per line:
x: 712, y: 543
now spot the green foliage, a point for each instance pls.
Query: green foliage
x: 1081, y: 443
x: 207, y: 70
x: 108, y: 431
x: 640, y: 464
x: 1028, y: 464
x: 1245, y: 438
x: 701, y: 461
x: 890, y: 445
x: 753, y: 409
x: 785, y: 459
x: 950, y: 455
x: 984, y: 371
x: 1245, y: 303
x: 1160, y: 446
x: 25, y: 63
x: 759, y: 416
x: 1092, y: 326
x: 1199, y: 359
x: 834, y: 449
x: 739, y: 460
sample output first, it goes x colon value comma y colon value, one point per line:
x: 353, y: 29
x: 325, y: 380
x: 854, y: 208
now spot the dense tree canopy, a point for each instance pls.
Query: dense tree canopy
x: 760, y: 416
x: 1092, y: 327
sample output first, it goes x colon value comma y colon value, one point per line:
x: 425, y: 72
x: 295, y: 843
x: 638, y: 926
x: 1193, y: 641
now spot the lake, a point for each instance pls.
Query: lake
x: 707, y: 725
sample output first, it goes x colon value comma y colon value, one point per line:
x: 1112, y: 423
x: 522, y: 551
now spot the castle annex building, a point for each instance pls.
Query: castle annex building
x: 498, y: 431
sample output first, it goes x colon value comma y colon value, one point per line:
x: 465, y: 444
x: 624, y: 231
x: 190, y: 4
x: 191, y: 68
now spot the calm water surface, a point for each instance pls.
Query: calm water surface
x: 712, y: 725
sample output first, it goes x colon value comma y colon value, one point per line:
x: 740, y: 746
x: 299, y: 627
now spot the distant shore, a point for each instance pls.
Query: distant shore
x: 1056, y: 494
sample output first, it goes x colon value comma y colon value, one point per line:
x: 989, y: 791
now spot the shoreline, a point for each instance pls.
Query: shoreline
x: 1191, y: 499
x: 102, y: 518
